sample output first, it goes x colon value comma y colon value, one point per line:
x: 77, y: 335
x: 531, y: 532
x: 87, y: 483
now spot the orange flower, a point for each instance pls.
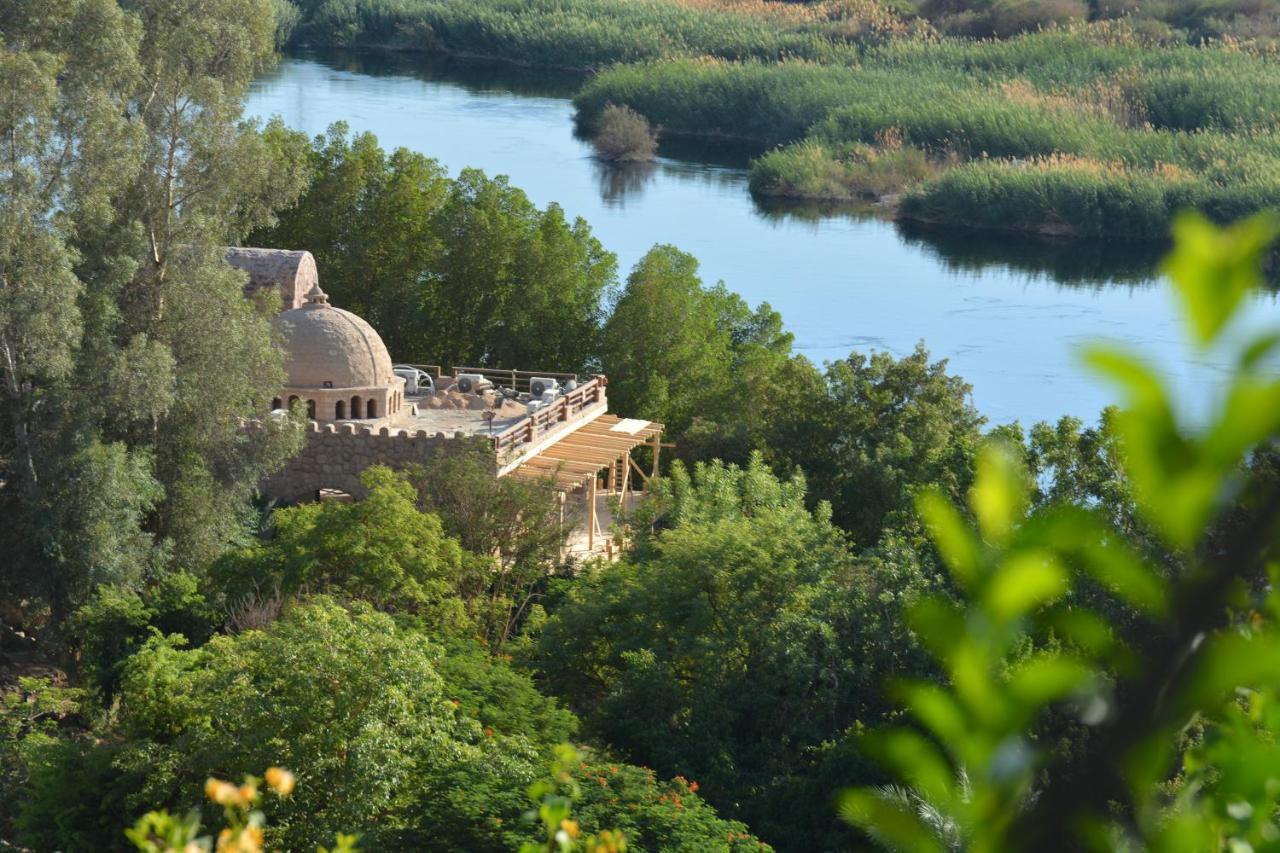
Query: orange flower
x: 280, y: 780
x: 222, y: 793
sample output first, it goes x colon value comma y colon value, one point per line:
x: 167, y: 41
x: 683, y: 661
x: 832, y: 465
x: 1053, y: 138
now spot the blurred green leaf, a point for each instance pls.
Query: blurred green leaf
x: 1027, y: 580
x: 936, y: 708
x: 916, y: 761
x: 999, y: 494
x: 1213, y: 268
x: 1046, y: 677
x: 891, y: 823
x: 955, y: 541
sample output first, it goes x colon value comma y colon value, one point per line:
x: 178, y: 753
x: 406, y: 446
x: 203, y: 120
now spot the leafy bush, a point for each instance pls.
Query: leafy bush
x: 118, y: 620
x: 623, y: 135
x: 382, y: 549
x: 735, y: 646
x: 811, y: 169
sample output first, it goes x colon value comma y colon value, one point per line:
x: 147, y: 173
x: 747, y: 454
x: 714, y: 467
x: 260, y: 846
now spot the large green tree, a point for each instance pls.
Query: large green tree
x: 698, y: 359
x: 738, y: 646
x: 451, y: 271
x: 128, y: 351
x: 877, y: 430
x: 392, y: 735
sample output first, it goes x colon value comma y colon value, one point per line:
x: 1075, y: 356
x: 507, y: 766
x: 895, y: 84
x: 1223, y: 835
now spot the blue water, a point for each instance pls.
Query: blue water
x: 1009, y: 314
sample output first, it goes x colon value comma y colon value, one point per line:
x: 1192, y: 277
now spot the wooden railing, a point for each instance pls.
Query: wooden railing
x: 517, y: 379
x: 567, y: 407
x: 432, y: 370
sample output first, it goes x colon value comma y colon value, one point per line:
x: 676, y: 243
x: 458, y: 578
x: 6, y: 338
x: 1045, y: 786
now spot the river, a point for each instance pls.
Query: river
x: 1010, y: 313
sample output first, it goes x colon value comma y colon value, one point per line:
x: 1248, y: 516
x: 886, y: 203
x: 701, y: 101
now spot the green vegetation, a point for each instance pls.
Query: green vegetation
x: 623, y: 135
x: 1010, y: 641
x: 409, y: 249
x: 1181, y: 707
x: 586, y: 34
x: 1033, y: 134
x: 1091, y: 120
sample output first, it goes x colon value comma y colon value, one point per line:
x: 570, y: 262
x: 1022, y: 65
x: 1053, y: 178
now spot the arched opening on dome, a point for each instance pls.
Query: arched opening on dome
x: 275, y: 403
x: 372, y: 409
x: 311, y: 409
x: 340, y: 410
x: 355, y: 407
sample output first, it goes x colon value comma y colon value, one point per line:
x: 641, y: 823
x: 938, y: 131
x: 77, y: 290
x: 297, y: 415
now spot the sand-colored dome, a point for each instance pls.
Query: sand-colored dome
x: 330, y: 345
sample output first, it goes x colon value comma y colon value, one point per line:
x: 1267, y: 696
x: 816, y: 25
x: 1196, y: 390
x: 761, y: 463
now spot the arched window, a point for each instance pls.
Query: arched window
x: 372, y: 409
x: 311, y: 409
x: 355, y: 407
x: 340, y: 410
x: 275, y: 403
x: 292, y: 400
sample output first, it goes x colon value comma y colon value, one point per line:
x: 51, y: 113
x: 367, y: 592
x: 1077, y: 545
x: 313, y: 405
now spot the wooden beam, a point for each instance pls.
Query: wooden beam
x: 591, y: 514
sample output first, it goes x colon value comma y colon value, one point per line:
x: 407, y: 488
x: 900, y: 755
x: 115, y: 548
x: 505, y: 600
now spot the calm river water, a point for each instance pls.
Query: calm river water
x: 1010, y: 313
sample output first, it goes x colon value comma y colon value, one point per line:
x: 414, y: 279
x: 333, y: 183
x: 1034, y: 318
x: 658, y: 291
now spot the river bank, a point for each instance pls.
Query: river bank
x: 1095, y: 132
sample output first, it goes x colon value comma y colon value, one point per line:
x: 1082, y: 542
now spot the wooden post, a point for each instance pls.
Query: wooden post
x: 657, y: 449
x: 591, y: 514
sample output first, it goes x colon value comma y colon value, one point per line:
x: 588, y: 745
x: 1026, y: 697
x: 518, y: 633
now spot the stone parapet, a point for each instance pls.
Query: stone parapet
x: 335, y: 455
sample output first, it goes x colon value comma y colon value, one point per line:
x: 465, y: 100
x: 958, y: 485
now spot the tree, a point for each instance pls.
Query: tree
x: 128, y: 351
x: 736, y: 646
x: 516, y: 528
x: 699, y: 360
x: 389, y: 735
x: 1181, y: 715
x: 880, y: 429
x: 383, y: 550
x: 457, y: 272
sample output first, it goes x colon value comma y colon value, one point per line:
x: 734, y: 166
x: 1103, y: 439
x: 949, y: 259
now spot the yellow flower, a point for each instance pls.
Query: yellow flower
x: 570, y: 827
x: 248, y: 793
x: 222, y: 793
x: 280, y: 780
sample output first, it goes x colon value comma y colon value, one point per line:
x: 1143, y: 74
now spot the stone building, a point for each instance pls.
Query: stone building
x: 337, y: 365
x: 339, y: 372
x: 292, y: 273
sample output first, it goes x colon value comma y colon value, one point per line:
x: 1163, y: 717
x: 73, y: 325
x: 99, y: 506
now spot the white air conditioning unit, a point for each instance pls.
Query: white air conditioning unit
x: 472, y: 383
x: 540, y: 385
x: 533, y: 406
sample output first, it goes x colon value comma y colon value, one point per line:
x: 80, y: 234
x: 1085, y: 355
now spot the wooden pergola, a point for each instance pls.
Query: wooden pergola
x: 603, y: 444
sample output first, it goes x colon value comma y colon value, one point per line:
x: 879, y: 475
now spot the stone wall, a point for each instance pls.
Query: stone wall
x: 335, y: 455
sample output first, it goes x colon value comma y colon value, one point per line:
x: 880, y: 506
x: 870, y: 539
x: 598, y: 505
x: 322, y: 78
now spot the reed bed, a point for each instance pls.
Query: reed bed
x: 1087, y: 129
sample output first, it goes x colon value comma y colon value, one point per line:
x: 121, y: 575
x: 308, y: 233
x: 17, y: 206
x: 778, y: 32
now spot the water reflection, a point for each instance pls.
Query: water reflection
x: 1089, y: 264
x: 620, y: 180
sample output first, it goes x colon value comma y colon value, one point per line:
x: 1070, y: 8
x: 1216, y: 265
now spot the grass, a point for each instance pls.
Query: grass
x: 591, y: 34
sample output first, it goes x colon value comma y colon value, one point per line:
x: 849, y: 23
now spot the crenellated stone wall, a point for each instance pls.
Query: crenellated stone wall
x: 335, y: 455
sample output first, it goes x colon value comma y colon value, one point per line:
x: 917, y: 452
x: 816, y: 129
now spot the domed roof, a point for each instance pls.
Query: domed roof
x: 327, y: 344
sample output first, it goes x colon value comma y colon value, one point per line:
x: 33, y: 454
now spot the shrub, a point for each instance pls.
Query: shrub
x: 811, y: 169
x: 623, y: 135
